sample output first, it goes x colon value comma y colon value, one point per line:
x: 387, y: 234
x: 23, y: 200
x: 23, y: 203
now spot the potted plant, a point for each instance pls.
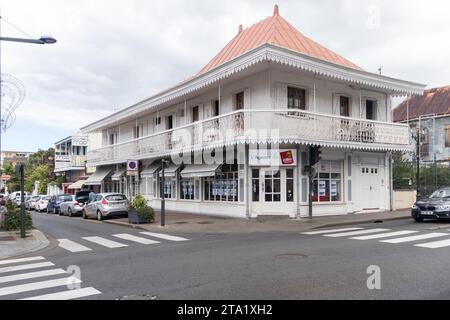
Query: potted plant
x: 139, y: 211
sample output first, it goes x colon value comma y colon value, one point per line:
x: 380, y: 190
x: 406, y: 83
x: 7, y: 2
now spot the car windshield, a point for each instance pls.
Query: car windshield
x: 116, y: 197
x: 35, y: 197
x: 46, y: 198
x: 438, y: 194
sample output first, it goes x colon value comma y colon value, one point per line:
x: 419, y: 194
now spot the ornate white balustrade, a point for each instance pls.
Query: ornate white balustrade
x: 68, y: 162
x: 260, y: 126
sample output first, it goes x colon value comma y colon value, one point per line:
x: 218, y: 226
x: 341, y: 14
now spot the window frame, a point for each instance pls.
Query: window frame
x: 317, y: 180
x: 304, y: 90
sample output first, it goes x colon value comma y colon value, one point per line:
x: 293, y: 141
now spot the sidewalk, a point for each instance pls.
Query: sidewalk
x: 11, y: 245
x: 192, y: 223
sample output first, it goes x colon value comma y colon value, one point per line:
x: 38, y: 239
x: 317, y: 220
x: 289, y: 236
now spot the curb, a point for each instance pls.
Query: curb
x: 349, y: 223
x: 43, y: 243
x: 124, y: 224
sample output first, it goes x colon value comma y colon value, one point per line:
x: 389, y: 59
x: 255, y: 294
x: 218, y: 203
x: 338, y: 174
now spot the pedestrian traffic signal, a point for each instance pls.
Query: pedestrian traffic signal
x: 314, y: 155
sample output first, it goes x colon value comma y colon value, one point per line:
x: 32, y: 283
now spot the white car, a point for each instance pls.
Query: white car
x: 42, y: 203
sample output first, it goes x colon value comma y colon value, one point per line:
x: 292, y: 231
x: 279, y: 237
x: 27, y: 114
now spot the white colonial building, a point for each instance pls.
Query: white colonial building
x: 268, y: 95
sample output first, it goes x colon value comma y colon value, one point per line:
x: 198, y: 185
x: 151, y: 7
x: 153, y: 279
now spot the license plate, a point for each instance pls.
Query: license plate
x: 427, y: 213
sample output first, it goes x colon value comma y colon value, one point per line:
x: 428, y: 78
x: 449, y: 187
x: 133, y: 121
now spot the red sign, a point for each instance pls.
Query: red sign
x: 287, y: 158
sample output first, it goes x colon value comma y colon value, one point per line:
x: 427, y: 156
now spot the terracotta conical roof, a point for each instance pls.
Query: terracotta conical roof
x: 277, y: 31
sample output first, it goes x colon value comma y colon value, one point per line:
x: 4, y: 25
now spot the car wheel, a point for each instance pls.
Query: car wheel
x: 69, y: 212
x: 84, y: 215
x: 99, y: 216
x: 417, y: 219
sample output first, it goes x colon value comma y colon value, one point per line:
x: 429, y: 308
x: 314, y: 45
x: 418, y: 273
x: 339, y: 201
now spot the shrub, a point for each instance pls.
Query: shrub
x: 139, y: 204
x: 12, y: 218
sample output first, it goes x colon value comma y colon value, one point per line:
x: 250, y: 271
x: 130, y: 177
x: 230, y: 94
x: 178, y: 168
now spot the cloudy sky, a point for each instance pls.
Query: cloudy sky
x: 113, y: 53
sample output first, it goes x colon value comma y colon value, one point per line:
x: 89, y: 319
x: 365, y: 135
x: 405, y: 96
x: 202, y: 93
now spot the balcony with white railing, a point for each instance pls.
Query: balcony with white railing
x: 69, y: 162
x: 260, y: 126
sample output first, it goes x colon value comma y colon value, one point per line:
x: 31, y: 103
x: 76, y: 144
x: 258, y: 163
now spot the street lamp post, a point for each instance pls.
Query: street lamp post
x: 41, y: 40
x: 163, y: 195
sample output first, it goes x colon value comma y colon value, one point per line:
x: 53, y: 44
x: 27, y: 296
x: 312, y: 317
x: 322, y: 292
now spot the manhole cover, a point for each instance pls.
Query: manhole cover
x: 291, y: 256
x: 181, y: 222
x: 205, y: 222
x: 378, y: 221
x: 139, y: 297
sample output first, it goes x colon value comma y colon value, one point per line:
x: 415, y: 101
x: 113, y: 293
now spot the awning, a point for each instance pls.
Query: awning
x: 150, y: 170
x: 170, y: 171
x: 201, y: 170
x: 98, y: 176
x: 118, y: 174
x: 77, y: 185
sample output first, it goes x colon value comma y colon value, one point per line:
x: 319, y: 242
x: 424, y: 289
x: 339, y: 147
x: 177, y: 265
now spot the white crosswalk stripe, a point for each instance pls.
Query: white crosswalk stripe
x: 31, y: 275
x: 129, y: 237
x: 435, y: 244
x: 26, y: 267
x: 384, y: 235
x: 38, y: 285
x: 11, y: 261
x: 330, y: 231
x: 164, y: 236
x: 354, y: 233
x: 105, y: 242
x: 415, y: 238
x: 72, y: 246
x: 67, y: 295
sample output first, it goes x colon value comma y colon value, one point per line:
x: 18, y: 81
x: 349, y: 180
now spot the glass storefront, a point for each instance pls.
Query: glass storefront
x: 328, y: 181
x: 224, y: 186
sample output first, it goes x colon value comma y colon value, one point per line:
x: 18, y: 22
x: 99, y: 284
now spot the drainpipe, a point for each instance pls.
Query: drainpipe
x: 391, y: 183
x: 299, y: 178
x: 247, y: 184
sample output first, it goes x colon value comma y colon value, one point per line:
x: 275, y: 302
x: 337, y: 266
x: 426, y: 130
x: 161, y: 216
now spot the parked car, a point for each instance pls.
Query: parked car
x: 16, y: 197
x: 54, y: 202
x: 74, y: 204
x: 42, y: 203
x: 30, y: 202
x: 437, y: 206
x: 104, y: 205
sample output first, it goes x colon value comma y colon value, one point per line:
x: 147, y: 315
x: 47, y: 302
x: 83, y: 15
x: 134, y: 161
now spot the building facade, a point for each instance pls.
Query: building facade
x: 430, y: 113
x: 14, y: 157
x: 70, y: 161
x: 237, y: 135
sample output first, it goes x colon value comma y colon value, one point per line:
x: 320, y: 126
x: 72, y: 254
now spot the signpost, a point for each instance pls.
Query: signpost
x: 163, y: 196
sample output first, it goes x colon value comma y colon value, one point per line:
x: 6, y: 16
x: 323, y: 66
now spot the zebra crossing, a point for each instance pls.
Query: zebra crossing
x: 427, y: 240
x: 26, y: 279
x: 122, y: 240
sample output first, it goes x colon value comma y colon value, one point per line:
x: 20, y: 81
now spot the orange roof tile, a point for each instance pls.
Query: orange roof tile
x: 277, y: 31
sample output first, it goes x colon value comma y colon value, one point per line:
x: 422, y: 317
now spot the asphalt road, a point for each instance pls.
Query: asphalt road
x: 286, y: 265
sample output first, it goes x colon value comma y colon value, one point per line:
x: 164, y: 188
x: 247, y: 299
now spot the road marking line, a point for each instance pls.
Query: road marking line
x: 38, y: 285
x: 32, y: 275
x: 105, y: 242
x: 355, y: 233
x: 414, y: 238
x: 72, y: 246
x: 384, y: 235
x: 164, y: 236
x: 67, y: 295
x: 330, y: 231
x: 435, y: 244
x: 20, y: 260
x: 129, y: 237
x: 26, y: 267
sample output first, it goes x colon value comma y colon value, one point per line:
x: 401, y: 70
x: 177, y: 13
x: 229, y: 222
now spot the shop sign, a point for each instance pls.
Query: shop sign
x: 272, y: 158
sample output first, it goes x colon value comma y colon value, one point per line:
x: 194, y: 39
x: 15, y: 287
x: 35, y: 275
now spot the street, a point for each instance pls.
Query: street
x: 123, y: 263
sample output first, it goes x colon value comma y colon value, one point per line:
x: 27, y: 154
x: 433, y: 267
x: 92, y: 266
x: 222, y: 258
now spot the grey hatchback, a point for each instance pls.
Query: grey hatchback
x: 102, y: 205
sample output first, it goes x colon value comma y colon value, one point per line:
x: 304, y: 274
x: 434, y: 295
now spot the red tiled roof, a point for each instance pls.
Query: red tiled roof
x: 277, y: 31
x: 434, y: 101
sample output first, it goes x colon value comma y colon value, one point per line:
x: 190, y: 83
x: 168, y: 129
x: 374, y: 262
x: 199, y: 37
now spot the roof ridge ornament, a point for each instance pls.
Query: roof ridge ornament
x: 276, y: 11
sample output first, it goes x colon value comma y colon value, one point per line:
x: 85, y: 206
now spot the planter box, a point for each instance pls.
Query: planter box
x: 135, y: 218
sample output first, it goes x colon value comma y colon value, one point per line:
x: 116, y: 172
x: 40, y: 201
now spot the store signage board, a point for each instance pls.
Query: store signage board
x: 272, y: 158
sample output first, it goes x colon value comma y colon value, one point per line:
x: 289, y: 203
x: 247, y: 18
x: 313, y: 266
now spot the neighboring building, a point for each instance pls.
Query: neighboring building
x: 269, y: 87
x: 70, y: 161
x: 431, y: 113
x: 14, y: 157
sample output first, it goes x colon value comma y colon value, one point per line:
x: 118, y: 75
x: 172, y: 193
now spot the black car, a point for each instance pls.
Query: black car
x: 437, y: 206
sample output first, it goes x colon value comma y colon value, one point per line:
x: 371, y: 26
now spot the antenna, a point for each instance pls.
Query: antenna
x: 379, y: 70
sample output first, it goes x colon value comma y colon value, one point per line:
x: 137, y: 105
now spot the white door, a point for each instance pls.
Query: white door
x: 371, y: 189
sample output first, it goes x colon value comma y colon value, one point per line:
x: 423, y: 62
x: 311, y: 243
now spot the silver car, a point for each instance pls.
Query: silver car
x: 31, y: 202
x: 70, y: 206
x: 102, y: 205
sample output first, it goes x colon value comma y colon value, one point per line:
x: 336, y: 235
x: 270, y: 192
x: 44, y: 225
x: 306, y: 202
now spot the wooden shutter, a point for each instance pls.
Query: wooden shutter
x: 447, y: 136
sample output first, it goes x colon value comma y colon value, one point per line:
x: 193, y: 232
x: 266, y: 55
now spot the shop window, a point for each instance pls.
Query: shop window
x: 188, y: 189
x: 169, y: 188
x: 327, y: 186
x: 272, y: 185
x: 224, y: 186
x: 255, y: 185
x: 290, y: 185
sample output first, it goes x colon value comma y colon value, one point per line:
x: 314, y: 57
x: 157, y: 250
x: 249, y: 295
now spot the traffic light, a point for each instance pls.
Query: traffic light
x: 314, y: 155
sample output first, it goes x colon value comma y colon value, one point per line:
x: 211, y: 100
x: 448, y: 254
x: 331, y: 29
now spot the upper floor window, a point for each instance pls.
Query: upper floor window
x: 371, y: 110
x: 296, y: 98
x: 216, y: 108
x: 239, y: 101
x: 344, y: 103
x: 137, y: 132
x: 195, y: 114
x: 447, y: 136
x: 158, y: 121
x: 169, y: 125
x: 112, y: 138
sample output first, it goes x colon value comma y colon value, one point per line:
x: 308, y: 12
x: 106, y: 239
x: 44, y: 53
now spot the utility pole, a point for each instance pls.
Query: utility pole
x: 314, y: 158
x: 20, y: 168
x: 163, y: 196
x: 417, y: 163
